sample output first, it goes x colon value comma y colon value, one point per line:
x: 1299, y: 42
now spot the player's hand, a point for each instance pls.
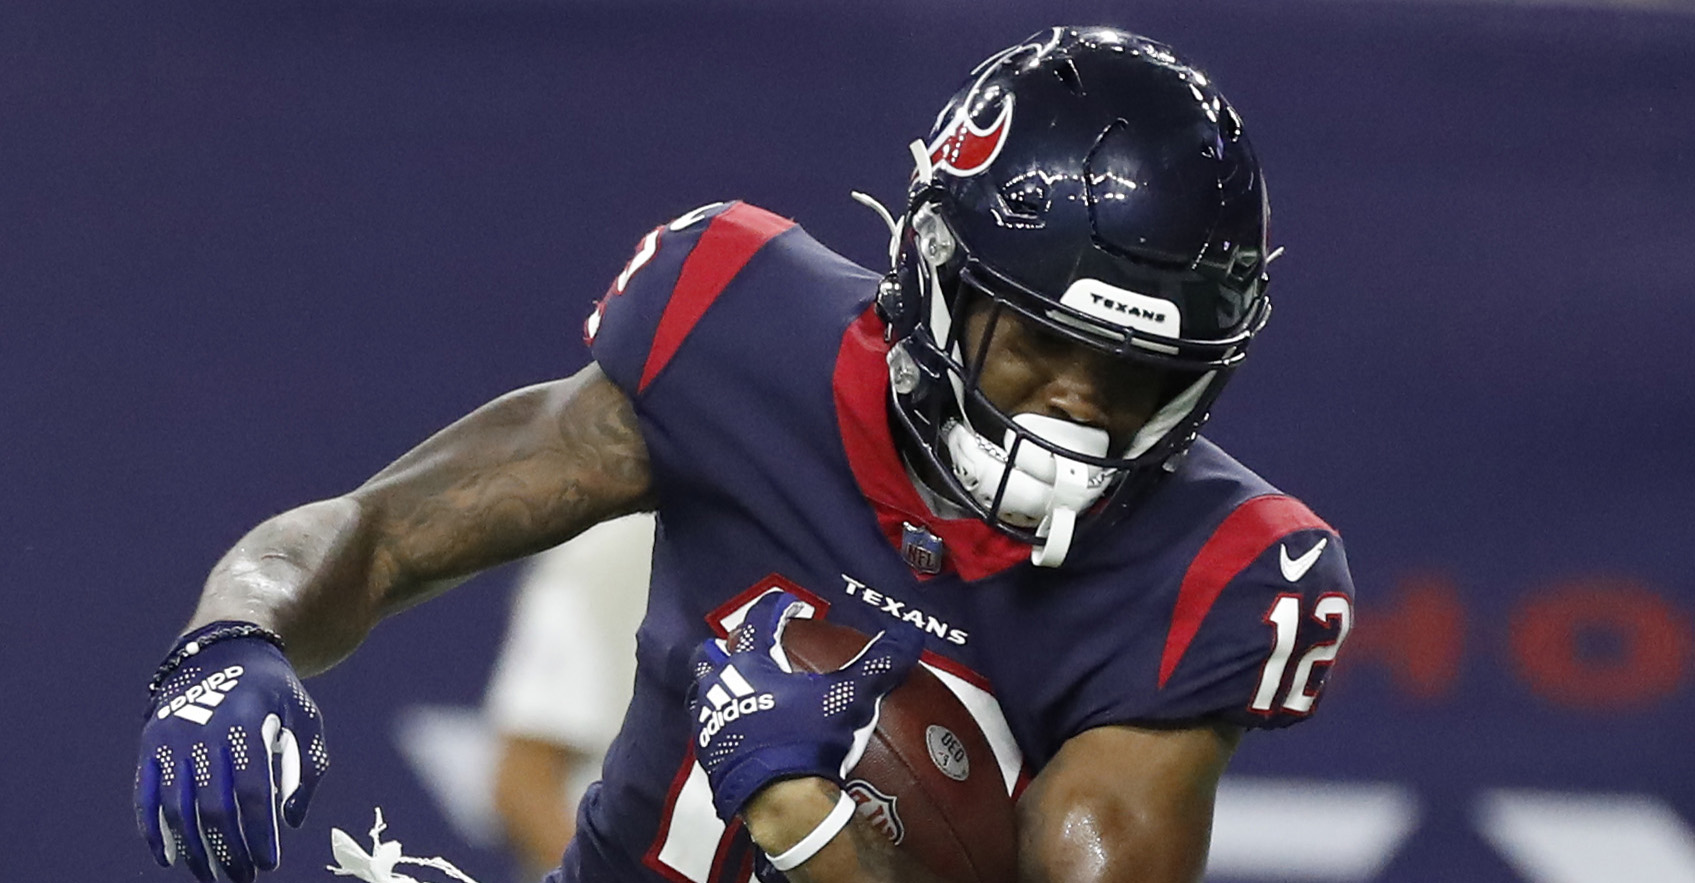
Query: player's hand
x: 756, y: 719
x: 231, y: 742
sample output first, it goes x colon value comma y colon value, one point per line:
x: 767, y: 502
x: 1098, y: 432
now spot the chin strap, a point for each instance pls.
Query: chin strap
x: 922, y: 173
x: 1167, y: 417
x: 882, y: 211
x: 1071, y: 493
x: 935, y: 245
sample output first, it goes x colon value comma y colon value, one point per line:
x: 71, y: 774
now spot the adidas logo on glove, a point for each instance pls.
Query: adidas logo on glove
x: 196, y: 703
x: 727, y: 707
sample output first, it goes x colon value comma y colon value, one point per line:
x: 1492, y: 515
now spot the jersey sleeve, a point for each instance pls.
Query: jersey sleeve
x: 678, y: 269
x: 620, y: 331
x: 1259, y: 618
x: 1262, y: 655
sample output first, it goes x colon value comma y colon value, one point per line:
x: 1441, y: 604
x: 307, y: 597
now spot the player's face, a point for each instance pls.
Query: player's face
x: 1028, y: 369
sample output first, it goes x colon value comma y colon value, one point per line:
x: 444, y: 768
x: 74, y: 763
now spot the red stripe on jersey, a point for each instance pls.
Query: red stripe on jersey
x: 1243, y: 536
x: 959, y: 670
x: 727, y: 244
x: 774, y: 582
x: 724, y: 845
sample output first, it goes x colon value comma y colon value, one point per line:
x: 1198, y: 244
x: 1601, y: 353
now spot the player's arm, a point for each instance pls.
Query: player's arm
x: 1123, y: 803
x: 1117, y: 803
x: 522, y: 473
x: 529, y: 778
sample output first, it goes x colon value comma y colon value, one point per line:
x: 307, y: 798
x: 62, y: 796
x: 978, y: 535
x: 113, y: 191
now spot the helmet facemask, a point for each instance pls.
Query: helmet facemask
x: 1062, y: 474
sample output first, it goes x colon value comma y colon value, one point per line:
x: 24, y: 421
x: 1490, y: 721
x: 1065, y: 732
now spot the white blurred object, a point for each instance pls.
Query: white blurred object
x: 564, y: 676
x: 1305, y: 830
x: 378, y: 865
x: 1588, y: 838
x: 568, y: 664
x: 451, y: 748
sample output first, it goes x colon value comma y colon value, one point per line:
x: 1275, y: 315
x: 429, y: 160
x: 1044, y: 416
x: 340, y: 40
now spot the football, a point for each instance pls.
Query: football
x: 928, y: 779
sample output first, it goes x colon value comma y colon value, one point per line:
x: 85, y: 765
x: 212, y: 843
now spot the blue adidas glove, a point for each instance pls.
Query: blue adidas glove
x: 231, y: 738
x: 757, y: 719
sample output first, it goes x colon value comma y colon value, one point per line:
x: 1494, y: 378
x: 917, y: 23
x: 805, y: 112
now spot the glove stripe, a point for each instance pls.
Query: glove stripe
x: 737, y: 684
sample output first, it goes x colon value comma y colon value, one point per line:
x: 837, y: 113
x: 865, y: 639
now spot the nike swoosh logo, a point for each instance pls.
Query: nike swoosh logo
x: 1295, y: 568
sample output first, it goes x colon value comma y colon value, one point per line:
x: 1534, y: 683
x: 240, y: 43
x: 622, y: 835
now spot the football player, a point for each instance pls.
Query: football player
x: 987, y: 455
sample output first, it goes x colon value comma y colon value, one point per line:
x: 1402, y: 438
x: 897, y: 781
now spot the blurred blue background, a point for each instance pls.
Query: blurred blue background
x: 251, y: 252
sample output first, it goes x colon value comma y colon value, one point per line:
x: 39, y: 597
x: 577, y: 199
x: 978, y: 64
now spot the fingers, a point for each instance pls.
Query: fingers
x: 887, y: 659
x: 707, y: 657
x: 302, y: 761
x: 762, y: 625
x: 880, y: 667
x: 181, y: 818
x: 283, y: 755
x: 147, y: 810
x: 220, y: 828
x: 171, y: 840
x: 254, y: 784
x: 294, y: 808
x: 213, y: 807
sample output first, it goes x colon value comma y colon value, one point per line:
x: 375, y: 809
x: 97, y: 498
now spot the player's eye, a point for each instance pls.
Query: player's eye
x: 1030, y: 341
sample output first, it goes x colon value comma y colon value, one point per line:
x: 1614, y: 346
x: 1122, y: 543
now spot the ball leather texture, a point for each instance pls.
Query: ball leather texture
x: 928, y: 779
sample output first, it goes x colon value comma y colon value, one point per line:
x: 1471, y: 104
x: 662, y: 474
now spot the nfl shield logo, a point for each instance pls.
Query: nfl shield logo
x: 877, y: 808
x: 921, y: 548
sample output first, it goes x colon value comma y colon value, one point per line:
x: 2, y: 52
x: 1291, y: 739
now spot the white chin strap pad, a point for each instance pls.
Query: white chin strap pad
x: 1043, y: 489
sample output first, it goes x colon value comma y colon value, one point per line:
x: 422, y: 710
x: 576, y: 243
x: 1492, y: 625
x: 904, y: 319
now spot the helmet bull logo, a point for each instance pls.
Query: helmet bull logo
x: 963, y: 148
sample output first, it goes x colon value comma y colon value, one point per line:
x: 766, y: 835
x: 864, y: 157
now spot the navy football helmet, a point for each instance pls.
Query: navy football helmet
x: 1095, y: 184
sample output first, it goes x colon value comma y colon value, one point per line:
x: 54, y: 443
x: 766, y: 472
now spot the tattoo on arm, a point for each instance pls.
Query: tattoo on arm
x: 502, y: 484
x: 525, y: 472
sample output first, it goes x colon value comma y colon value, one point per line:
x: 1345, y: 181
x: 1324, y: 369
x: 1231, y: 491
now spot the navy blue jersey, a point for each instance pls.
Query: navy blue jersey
x: 756, y: 368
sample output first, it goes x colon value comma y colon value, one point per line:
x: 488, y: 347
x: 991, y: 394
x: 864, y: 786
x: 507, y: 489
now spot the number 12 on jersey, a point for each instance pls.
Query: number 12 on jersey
x: 1330, y: 611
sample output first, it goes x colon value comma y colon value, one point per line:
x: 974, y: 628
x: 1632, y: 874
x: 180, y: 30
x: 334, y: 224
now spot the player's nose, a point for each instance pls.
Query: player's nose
x: 1073, y: 391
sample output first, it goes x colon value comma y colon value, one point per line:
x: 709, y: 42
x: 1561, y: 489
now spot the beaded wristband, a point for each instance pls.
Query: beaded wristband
x: 821, y: 835
x: 203, y: 637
